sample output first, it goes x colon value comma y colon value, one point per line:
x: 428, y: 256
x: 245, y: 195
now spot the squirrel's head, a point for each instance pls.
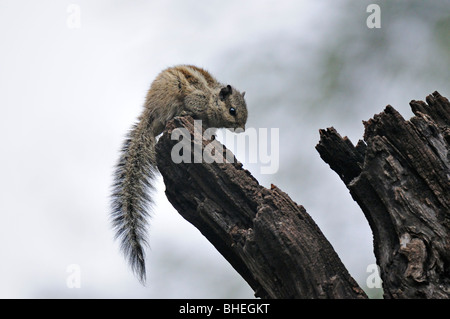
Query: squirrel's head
x: 232, y: 108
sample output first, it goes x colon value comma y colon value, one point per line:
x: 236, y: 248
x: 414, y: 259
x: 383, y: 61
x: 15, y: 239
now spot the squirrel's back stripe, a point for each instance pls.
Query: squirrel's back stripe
x: 195, y: 77
x: 208, y: 78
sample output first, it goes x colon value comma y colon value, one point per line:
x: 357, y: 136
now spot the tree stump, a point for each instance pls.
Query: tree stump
x: 400, y: 177
x: 270, y: 240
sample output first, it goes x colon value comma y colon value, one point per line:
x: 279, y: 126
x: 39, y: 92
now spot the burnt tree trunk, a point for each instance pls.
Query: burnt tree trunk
x: 400, y: 177
x: 270, y: 240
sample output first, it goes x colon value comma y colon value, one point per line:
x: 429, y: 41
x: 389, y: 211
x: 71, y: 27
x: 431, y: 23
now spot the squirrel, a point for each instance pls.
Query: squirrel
x: 177, y: 91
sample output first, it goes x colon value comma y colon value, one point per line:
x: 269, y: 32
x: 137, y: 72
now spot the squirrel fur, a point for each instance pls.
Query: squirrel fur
x: 177, y: 91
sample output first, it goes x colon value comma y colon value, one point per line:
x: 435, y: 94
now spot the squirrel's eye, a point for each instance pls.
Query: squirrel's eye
x: 233, y: 111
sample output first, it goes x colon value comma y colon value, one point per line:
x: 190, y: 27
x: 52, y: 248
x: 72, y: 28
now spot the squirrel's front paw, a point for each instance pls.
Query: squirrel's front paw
x: 186, y: 113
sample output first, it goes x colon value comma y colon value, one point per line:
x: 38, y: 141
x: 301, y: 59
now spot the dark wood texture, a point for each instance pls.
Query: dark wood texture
x: 270, y: 240
x: 400, y: 177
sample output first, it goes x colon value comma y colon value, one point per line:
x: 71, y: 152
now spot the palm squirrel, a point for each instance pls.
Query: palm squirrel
x: 176, y: 91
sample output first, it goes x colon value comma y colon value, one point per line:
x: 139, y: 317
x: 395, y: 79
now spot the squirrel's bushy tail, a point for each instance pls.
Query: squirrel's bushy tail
x: 130, y: 195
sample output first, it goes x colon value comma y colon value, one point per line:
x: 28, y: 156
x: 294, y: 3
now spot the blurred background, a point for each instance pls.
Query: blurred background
x: 73, y: 78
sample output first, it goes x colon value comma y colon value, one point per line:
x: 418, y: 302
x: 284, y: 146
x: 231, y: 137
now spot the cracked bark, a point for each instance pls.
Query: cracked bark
x: 400, y: 177
x: 270, y: 240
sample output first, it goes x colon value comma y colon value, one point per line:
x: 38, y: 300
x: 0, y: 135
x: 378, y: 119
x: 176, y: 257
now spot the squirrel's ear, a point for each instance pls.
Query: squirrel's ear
x: 224, y: 92
x: 243, y: 94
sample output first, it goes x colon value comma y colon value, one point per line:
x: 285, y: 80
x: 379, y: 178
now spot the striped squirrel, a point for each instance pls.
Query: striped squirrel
x: 176, y: 91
